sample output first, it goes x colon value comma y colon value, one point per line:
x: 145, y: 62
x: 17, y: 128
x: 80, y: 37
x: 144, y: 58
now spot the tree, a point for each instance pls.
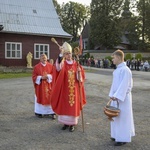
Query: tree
x: 126, y: 10
x: 143, y: 8
x: 104, y: 23
x: 73, y: 15
x: 128, y: 24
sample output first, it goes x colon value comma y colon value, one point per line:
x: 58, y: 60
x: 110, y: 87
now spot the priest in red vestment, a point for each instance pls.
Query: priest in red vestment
x: 42, y: 80
x: 65, y: 100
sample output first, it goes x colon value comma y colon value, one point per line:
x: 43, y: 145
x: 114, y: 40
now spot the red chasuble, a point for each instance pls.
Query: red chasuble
x: 42, y: 91
x: 65, y: 99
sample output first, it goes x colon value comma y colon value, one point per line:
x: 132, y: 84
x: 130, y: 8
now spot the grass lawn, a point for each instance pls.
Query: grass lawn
x: 14, y: 75
x: 20, y: 75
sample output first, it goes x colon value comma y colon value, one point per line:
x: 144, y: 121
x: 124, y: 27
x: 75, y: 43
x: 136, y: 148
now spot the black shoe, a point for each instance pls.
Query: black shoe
x: 39, y: 115
x: 64, y: 127
x: 53, y: 116
x: 47, y: 116
x: 113, y: 139
x: 71, y: 128
x: 119, y: 143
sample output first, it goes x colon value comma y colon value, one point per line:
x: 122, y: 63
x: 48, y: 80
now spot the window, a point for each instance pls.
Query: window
x: 41, y: 49
x: 13, y: 50
x: 34, y: 11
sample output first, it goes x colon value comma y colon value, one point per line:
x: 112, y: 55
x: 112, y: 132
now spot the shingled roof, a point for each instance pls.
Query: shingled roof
x: 36, y: 17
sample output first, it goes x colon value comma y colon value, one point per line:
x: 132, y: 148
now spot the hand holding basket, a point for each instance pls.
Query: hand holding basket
x: 111, y: 111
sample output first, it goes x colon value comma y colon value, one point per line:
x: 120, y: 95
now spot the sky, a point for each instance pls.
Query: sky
x: 84, y: 2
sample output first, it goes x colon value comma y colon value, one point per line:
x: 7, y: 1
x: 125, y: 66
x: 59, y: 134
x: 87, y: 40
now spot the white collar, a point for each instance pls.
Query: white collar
x: 121, y: 64
x: 69, y: 62
x: 43, y: 64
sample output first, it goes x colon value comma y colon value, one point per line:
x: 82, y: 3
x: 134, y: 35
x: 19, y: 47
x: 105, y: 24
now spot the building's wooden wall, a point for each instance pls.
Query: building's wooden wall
x: 27, y: 46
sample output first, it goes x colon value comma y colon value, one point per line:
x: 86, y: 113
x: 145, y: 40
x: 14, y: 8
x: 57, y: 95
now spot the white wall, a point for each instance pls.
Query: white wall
x: 103, y: 55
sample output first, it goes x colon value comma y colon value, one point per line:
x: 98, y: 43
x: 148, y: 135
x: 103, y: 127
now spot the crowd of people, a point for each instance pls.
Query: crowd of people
x: 60, y: 93
x: 133, y: 64
x: 137, y: 64
x: 99, y: 63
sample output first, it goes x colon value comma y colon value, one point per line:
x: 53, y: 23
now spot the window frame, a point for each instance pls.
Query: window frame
x: 43, y: 45
x: 11, y: 50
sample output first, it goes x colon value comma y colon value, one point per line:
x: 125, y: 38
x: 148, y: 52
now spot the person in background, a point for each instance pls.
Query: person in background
x: 138, y: 64
x: 146, y: 65
x: 122, y: 128
x: 51, y: 61
x: 42, y: 80
x: 66, y: 100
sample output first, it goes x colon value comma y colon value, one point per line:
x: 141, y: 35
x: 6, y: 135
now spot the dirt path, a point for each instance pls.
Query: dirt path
x: 21, y: 130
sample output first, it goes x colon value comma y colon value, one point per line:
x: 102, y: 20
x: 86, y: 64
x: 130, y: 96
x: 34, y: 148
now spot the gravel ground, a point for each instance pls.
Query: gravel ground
x: 21, y: 130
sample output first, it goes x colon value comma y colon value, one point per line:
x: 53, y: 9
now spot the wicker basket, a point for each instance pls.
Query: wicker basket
x: 111, y: 111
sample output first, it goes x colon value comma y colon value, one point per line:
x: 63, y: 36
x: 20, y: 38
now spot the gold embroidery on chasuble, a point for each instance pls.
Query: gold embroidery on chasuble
x: 46, y: 85
x: 46, y: 89
x: 71, y: 81
x: 44, y: 73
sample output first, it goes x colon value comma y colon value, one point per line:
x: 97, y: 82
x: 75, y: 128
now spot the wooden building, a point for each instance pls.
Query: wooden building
x: 29, y: 26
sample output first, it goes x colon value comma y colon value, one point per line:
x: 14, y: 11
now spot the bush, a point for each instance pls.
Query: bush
x: 108, y: 57
x: 128, y: 56
x: 92, y: 57
x: 138, y: 56
x: 87, y: 55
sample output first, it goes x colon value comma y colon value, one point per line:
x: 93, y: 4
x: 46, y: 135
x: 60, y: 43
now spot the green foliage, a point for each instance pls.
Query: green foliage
x: 126, y: 10
x: 128, y: 56
x: 108, y: 57
x: 143, y: 9
x: 128, y: 24
x: 87, y: 55
x: 74, y: 44
x: 110, y: 19
x: 138, y: 56
x: 92, y: 57
x: 72, y: 17
x: 14, y: 75
x: 104, y: 23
